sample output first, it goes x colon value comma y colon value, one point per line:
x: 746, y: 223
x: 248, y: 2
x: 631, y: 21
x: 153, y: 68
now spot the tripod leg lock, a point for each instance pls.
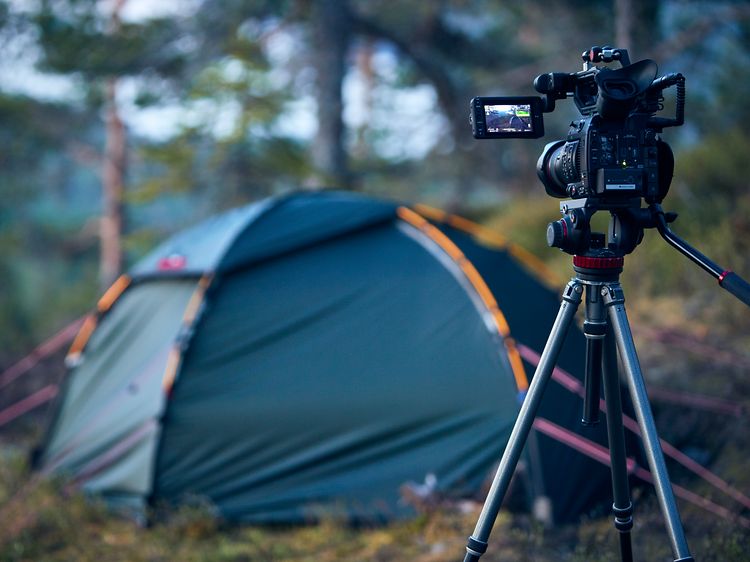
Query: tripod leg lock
x: 572, y: 292
x: 623, y: 517
x: 613, y: 295
x: 474, y: 549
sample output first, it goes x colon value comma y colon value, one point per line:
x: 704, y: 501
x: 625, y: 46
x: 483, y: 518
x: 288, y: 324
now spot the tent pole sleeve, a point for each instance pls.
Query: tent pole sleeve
x: 478, y: 540
x: 491, y: 238
x: 480, y: 287
x: 189, y: 318
x: 105, y: 303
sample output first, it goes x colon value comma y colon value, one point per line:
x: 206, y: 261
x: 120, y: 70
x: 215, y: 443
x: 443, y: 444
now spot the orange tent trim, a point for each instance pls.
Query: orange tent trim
x: 479, y: 285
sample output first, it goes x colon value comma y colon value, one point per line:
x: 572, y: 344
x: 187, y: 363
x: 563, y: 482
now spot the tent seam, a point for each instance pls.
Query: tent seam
x: 489, y: 237
x: 189, y: 319
x: 478, y: 284
x: 104, y: 305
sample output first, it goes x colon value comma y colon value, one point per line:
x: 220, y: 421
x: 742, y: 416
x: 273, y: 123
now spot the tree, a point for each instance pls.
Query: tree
x: 330, y: 22
x: 97, y: 50
x: 636, y: 25
x: 254, y: 78
x: 113, y: 175
x: 44, y: 253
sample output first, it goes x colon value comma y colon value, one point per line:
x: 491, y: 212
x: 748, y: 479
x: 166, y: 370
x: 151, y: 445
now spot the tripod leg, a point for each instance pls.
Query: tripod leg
x: 477, y: 544
x: 622, y: 506
x: 595, y: 329
x: 615, y: 301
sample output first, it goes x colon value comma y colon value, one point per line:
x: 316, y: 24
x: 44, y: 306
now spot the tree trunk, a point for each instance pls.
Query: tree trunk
x: 636, y: 26
x: 330, y: 25
x: 113, y: 179
x: 624, y: 16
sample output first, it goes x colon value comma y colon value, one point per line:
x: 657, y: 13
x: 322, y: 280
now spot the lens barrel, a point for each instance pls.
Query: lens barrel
x: 559, y: 166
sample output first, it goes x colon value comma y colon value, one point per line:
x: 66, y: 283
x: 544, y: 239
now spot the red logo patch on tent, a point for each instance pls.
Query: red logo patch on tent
x: 173, y: 262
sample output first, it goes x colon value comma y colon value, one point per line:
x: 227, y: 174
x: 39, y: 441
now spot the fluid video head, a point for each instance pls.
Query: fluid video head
x: 612, y: 158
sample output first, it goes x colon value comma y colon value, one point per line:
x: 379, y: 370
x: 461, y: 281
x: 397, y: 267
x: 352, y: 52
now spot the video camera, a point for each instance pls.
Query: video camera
x: 613, y: 153
x: 613, y: 160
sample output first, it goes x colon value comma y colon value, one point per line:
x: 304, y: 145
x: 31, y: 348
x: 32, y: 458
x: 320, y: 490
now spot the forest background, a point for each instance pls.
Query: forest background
x: 124, y: 121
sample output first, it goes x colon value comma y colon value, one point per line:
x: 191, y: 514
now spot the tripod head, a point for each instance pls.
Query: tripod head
x: 628, y: 220
x: 573, y: 235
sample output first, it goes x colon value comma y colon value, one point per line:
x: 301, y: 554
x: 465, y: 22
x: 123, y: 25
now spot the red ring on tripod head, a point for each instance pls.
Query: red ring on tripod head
x: 593, y: 262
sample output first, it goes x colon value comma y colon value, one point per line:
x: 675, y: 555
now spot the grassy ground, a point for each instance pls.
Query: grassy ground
x: 40, y: 521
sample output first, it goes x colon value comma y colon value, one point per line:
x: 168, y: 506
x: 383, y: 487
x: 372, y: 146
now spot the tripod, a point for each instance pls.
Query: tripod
x: 607, y: 332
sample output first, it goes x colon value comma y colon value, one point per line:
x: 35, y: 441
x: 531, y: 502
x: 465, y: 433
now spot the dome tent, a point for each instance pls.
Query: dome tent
x: 315, y: 352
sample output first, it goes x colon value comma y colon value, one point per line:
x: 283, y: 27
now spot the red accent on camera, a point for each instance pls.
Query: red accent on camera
x: 591, y: 262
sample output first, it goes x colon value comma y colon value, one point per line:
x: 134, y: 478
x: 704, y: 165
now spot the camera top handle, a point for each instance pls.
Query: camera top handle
x: 557, y: 85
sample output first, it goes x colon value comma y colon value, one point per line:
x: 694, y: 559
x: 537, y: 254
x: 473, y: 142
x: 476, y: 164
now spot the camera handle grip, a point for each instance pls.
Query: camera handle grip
x: 736, y: 285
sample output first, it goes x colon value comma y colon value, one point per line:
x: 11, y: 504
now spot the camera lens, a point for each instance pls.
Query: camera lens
x: 559, y: 166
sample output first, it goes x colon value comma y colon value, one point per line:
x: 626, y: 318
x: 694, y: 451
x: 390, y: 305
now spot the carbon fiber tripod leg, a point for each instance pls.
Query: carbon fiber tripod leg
x: 477, y: 543
x: 614, y: 299
x: 621, y: 506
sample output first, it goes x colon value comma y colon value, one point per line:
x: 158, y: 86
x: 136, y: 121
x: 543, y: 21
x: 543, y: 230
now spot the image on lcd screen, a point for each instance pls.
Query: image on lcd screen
x: 508, y: 118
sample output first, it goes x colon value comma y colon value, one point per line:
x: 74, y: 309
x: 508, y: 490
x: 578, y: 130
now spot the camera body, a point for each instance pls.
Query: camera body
x: 613, y: 153
x: 608, y: 160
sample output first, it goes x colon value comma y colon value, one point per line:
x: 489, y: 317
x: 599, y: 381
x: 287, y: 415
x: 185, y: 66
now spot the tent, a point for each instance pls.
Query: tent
x: 312, y: 354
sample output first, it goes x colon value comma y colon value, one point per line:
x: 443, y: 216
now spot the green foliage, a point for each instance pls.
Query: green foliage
x: 76, y: 38
x: 221, y: 64
x: 231, y: 151
x: 710, y: 178
x: 41, y: 254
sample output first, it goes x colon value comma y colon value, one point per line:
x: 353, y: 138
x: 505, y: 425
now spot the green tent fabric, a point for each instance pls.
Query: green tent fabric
x: 312, y: 354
